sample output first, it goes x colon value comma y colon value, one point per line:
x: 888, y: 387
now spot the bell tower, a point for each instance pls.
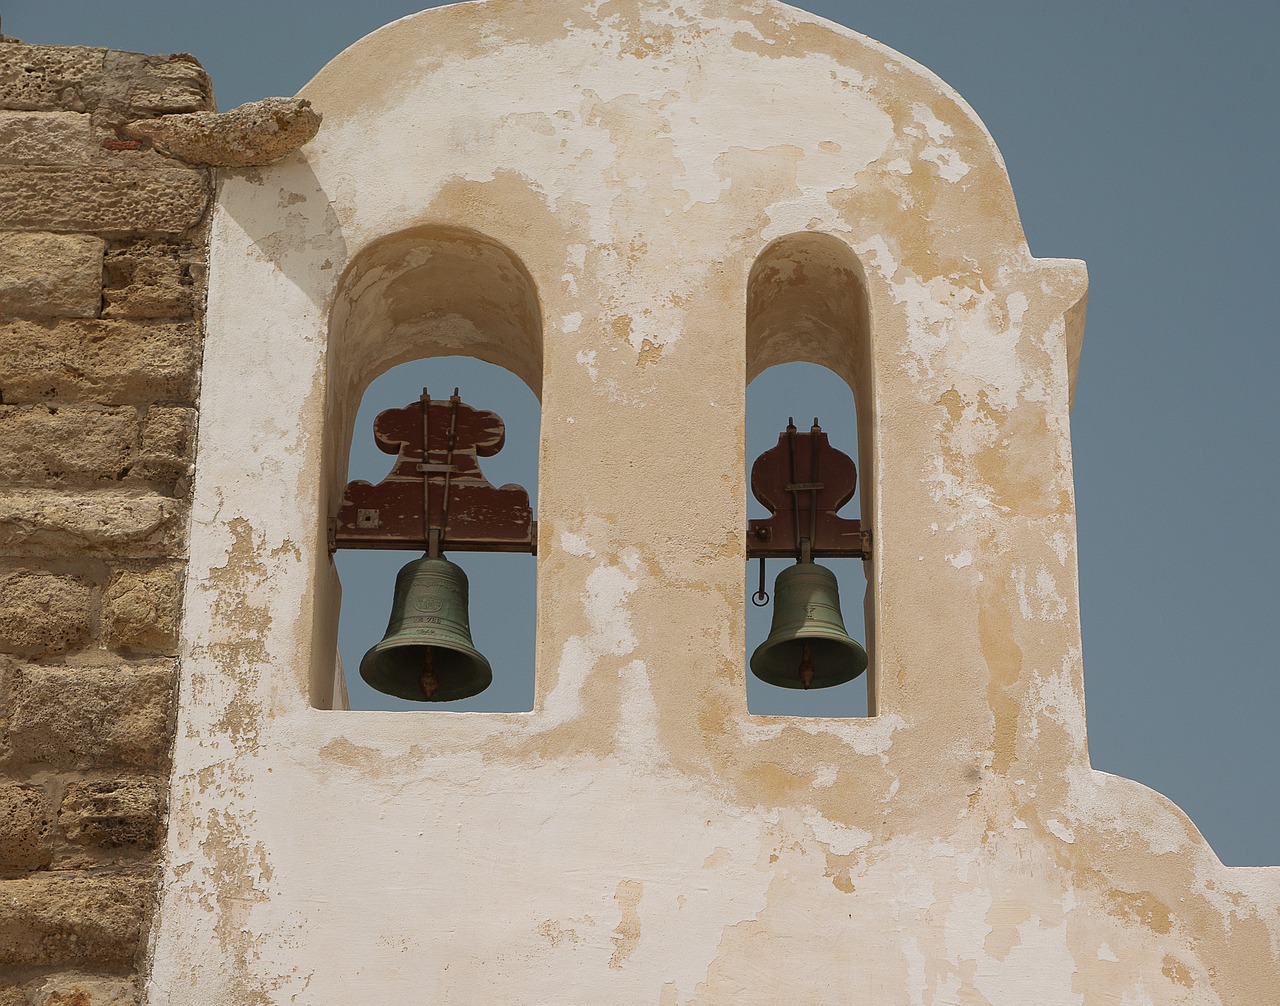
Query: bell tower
x: 637, y: 207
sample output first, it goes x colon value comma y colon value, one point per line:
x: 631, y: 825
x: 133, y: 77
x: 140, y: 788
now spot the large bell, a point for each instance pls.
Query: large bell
x: 426, y: 654
x: 808, y: 646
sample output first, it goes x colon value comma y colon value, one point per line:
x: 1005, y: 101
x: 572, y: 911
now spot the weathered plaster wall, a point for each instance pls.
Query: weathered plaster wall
x: 102, y: 259
x: 615, y: 171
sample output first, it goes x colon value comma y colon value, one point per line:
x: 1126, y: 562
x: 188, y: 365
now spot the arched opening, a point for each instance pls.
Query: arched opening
x: 805, y: 391
x: 502, y: 585
x: 808, y: 355
x: 444, y: 307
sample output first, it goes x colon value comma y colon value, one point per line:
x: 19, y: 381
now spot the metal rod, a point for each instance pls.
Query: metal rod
x: 454, y: 402
x: 756, y: 550
x: 791, y: 452
x: 813, y: 493
x: 425, y: 401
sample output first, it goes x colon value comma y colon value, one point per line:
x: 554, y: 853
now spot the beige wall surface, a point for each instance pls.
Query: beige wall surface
x: 636, y: 206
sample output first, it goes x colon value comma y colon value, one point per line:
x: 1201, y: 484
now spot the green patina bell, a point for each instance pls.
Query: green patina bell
x: 808, y: 646
x: 426, y: 654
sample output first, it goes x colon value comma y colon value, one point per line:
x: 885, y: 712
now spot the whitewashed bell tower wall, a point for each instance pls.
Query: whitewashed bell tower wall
x: 636, y: 207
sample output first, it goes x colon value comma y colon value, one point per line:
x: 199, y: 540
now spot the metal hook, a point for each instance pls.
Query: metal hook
x: 761, y: 597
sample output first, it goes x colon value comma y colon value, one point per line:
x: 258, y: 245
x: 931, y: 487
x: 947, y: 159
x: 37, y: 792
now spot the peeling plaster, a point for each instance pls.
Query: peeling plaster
x: 680, y: 196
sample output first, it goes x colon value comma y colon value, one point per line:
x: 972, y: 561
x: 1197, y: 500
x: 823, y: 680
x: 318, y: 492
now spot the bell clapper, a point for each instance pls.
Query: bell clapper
x: 427, y: 680
x: 806, y: 667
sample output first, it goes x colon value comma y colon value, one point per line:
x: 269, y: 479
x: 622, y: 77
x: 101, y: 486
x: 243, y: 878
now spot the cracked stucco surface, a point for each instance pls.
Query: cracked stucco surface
x: 579, y: 192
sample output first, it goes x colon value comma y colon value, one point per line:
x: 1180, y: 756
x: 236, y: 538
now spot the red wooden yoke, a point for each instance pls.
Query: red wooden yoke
x: 438, y: 488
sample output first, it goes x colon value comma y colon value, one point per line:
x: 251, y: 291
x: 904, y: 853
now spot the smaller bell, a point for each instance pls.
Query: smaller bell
x: 426, y: 654
x: 808, y: 646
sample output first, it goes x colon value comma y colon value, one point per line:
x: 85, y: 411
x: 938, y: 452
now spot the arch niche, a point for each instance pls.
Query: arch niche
x: 807, y: 303
x: 422, y: 292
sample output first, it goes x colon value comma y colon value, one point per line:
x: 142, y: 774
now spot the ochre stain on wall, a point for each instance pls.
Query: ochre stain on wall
x: 1004, y: 664
x: 1144, y: 907
x: 627, y: 933
x: 654, y: 215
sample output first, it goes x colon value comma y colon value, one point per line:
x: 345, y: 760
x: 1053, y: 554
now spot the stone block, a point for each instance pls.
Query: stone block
x: 34, y: 522
x: 150, y: 280
x: 49, y: 275
x: 170, y: 431
x: 165, y: 85
x: 91, y: 360
x: 120, y: 812
x: 43, y: 614
x: 84, y: 990
x: 45, y: 138
x: 168, y: 445
x: 89, y: 717
x: 55, y: 920
x: 69, y: 445
x: 116, y: 201
x: 140, y: 609
x: 53, y: 77
x: 49, y: 77
x: 26, y: 833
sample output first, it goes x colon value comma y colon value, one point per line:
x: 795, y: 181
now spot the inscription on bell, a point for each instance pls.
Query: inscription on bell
x: 428, y: 600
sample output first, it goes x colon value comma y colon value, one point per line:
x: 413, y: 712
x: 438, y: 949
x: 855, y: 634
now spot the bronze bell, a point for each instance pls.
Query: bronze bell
x: 426, y: 654
x: 808, y: 646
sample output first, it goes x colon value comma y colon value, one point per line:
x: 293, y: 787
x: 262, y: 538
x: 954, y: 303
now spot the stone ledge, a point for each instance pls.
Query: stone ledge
x: 105, y: 362
x: 258, y: 132
x: 35, y: 522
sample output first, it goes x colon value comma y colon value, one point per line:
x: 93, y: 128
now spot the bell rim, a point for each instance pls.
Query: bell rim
x: 861, y: 662
x: 366, y: 663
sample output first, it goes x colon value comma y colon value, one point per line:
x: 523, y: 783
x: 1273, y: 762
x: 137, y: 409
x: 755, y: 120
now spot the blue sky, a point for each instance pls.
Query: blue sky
x: 1140, y: 137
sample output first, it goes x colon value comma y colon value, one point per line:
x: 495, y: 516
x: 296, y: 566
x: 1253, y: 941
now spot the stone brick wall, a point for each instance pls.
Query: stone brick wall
x: 102, y: 252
